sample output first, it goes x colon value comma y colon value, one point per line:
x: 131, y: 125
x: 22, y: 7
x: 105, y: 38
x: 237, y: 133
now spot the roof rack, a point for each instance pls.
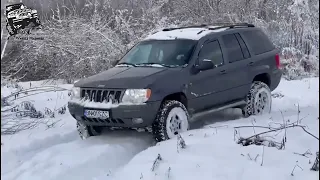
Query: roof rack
x: 184, y: 27
x: 219, y: 26
x: 231, y: 25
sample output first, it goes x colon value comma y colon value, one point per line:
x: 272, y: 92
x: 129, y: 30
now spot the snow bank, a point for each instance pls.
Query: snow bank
x: 213, y: 153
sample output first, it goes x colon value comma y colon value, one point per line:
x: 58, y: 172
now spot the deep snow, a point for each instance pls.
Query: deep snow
x: 211, y: 153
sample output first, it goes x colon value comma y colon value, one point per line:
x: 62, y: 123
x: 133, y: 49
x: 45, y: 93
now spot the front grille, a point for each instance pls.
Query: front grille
x: 100, y: 95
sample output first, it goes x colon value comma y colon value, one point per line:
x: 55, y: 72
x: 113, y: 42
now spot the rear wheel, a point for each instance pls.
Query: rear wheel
x: 172, y: 118
x: 258, y: 100
x: 86, y: 131
x: 36, y: 22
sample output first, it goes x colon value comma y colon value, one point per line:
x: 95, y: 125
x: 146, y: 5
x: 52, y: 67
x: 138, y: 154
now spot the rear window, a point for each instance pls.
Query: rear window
x: 258, y: 41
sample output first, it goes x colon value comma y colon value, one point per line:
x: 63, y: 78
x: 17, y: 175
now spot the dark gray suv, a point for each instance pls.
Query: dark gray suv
x: 170, y: 77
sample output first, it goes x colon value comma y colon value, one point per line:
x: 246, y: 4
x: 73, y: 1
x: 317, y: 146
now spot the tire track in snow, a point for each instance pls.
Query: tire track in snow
x: 75, y: 158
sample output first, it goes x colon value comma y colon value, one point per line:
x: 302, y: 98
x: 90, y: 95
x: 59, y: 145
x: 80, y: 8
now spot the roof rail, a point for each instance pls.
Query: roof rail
x: 219, y: 26
x: 231, y: 25
x: 184, y: 27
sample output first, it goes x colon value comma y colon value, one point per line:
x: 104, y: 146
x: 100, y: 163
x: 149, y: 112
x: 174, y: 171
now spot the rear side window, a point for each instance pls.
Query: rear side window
x: 243, y: 45
x: 232, y: 47
x: 258, y: 41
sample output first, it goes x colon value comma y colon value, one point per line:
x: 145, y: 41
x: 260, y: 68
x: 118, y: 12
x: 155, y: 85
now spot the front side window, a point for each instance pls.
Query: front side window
x: 170, y: 53
x: 211, y: 51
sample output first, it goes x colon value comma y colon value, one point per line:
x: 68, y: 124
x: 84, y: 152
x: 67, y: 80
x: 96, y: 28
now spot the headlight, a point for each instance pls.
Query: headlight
x: 136, y: 95
x: 75, y: 93
x: 11, y: 15
x: 33, y: 11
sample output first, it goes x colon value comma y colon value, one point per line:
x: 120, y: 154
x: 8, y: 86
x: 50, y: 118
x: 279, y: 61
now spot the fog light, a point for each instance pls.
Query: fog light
x: 137, y: 120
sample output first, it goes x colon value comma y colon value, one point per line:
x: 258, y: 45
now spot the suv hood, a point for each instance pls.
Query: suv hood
x: 123, y: 78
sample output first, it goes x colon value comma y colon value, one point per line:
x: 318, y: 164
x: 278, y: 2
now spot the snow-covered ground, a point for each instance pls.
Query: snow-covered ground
x: 53, y: 150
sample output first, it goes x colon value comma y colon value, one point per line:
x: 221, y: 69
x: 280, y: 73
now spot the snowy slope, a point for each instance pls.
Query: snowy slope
x: 211, y: 153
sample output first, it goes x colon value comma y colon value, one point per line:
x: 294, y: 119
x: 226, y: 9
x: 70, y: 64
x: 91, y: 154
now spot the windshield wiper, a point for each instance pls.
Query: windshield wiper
x: 125, y: 63
x: 153, y: 64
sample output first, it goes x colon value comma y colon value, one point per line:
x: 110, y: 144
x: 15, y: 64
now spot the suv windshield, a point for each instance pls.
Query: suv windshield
x: 13, y: 7
x: 167, y: 53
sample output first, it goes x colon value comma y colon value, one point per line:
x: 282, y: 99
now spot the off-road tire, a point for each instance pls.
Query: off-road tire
x: 86, y: 131
x: 159, y: 129
x: 256, y: 86
x: 36, y: 22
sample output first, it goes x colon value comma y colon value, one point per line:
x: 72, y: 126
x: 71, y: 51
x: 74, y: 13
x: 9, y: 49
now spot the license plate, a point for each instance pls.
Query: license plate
x: 96, y: 114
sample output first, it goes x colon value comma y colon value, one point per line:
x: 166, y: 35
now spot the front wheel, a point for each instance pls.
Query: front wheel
x: 258, y: 100
x: 11, y: 30
x: 87, y: 131
x: 172, y: 119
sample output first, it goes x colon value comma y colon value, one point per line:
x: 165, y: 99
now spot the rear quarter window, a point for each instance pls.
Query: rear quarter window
x: 258, y: 41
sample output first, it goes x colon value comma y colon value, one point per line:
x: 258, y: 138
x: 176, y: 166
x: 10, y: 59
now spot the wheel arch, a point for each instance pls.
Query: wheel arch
x: 178, y: 96
x: 263, y: 77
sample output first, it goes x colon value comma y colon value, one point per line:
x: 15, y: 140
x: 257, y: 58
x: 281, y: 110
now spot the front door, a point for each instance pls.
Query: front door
x: 206, y: 86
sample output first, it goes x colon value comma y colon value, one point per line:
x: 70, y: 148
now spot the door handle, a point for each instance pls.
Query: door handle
x: 250, y: 63
x: 223, y: 72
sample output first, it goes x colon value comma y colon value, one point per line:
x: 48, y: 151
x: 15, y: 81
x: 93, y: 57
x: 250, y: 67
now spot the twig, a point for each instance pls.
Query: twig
x: 156, y: 162
x: 308, y: 152
x: 218, y: 126
x: 285, y: 130
x: 295, y: 168
x: 254, y: 131
x: 262, y: 155
x: 315, y: 166
x: 168, y: 172
x: 255, y: 159
x: 298, y: 114
x: 263, y: 127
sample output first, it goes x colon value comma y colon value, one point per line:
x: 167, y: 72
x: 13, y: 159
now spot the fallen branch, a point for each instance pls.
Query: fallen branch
x: 308, y: 152
x: 277, y: 129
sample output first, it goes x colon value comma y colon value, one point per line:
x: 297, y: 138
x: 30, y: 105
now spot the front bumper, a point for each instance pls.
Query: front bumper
x: 27, y: 19
x: 121, y: 116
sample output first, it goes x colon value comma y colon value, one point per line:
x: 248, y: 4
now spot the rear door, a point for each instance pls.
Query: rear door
x: 238, y: 60
x: 263, y: 52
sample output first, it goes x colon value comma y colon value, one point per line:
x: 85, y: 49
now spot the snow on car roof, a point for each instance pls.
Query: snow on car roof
x: 185, y: 33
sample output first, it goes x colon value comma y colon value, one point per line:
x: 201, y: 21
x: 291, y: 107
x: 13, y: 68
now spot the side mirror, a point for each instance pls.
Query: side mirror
x: 205, y: 64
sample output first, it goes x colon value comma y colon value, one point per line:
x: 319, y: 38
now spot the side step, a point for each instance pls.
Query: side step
x: 215, y: 109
